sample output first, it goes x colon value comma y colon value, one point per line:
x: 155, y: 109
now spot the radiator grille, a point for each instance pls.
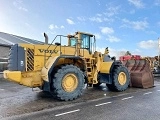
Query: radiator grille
x: 30, y: 59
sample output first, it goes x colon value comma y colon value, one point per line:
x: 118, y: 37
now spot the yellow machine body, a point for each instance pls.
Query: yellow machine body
x: 64, y: 69
x: 39, y: 58
x: 33, y: 75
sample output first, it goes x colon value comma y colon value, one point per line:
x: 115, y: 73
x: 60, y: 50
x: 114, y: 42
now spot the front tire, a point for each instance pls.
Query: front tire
x: 120, y: 79
x: 68, y: 83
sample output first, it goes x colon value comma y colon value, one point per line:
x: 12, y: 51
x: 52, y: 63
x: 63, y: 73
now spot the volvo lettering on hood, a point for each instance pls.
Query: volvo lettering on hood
x: 47, y: 51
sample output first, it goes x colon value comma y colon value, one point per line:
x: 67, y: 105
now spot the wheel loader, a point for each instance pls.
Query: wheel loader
x: 63, y: 70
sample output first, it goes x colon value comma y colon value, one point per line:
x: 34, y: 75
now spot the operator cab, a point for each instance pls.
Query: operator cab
x: 83, y: 41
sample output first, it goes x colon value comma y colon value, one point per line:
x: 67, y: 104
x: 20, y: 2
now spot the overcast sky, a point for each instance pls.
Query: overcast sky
x: 121, y: 25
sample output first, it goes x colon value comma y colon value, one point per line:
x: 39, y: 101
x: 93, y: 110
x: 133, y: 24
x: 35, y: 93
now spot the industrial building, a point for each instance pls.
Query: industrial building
x: 6, y: 41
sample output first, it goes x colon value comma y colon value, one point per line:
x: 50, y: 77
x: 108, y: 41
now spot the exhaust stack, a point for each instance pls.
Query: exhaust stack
x: 46, y: 38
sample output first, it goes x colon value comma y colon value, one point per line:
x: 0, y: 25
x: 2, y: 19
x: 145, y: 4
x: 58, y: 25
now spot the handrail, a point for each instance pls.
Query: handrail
x: 55, y: 39
x: 54, y: 48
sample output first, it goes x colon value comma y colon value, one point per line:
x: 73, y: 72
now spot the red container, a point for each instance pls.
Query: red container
x: 136, y: 57
x: 129, y: 57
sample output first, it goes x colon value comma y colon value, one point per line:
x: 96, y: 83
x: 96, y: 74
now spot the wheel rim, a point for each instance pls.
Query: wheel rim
x: 122, y: 78
x: 69, y: 82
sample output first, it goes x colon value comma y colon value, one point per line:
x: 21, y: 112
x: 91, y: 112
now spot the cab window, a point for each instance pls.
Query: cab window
x: 85, y: 42
x: 73, y: 41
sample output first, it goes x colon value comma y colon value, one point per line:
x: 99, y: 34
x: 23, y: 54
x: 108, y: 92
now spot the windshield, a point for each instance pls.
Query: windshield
x: 85, y: 42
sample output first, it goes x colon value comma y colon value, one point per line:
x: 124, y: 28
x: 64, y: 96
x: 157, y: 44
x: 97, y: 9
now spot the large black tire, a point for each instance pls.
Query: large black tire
x: 120, y: 79
x: 68, y: 83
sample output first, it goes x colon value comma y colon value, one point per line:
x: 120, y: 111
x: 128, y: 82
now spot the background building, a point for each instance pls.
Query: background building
x: 6, y: 41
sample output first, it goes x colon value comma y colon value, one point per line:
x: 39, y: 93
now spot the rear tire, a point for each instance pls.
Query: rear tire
x: 120, y: 79
x: 67, y: 83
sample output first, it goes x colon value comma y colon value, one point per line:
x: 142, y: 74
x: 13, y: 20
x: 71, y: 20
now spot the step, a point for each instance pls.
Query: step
x: 89, y: 67
x: 89, y: 73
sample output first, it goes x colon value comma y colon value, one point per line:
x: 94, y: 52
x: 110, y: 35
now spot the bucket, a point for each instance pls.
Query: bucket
x: 140, y: 73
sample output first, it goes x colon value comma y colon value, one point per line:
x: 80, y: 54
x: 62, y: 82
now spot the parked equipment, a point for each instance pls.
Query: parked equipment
x: 63, y: 70
x: 155, y: 61
x: 154, y: 64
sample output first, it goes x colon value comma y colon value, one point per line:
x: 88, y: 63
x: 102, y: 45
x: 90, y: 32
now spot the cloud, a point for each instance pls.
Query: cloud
x: 149, y: 44
x: 151, y: 32
x: 106, y: 16
x: 112, y: 39
x: 113, y: 52
x: 137, y: 3
x: 19, y: 4
x: 157, y: 2
x: 107, y: 30
x: 96, y: 19
x: 98, y: 36
x: 137, y: 25
x: 69, y: 21
x: 108, y: 19
x: 99, y: 15
x: 100, y: 19
x: 81, y: 18
x: 52, y: 26
x: 50, y: 32
x: 24, y: 9
x: 29, y: 26
x: 100, y: 49
x: 132, y: 12
x: 112, y: 10
x: 137, y: 50
x: 62, y: 26
x: 98, y: 2
x: 119, y: 52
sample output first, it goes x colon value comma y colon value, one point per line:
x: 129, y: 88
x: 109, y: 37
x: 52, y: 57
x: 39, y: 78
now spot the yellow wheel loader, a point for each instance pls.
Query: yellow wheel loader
x: 63, y: 70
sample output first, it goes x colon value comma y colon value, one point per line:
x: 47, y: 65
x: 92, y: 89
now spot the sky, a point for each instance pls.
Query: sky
x: 120, y: 25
